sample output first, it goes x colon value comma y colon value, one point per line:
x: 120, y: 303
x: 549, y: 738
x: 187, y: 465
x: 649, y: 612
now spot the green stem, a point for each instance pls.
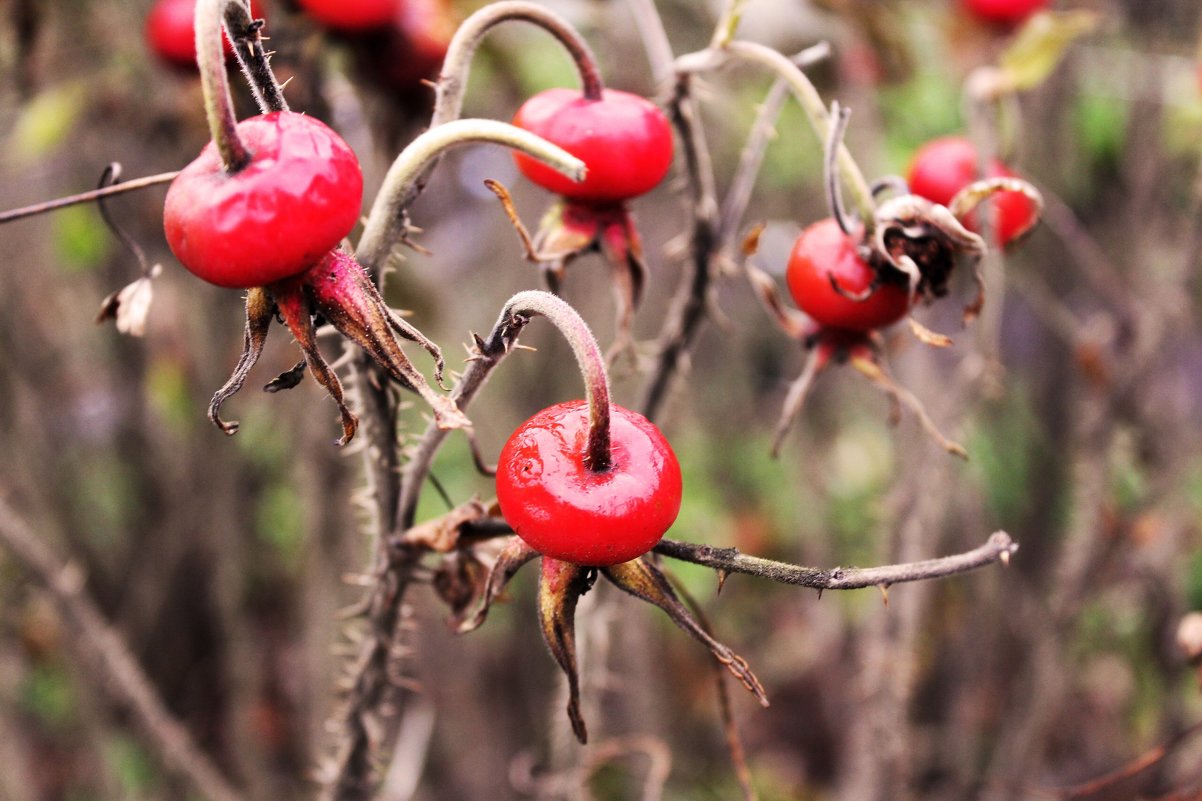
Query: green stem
x: 807, y: 96
x: 387, y: 213
x: 452, y: 82
x: 219, y: 106
x: 589, y: 357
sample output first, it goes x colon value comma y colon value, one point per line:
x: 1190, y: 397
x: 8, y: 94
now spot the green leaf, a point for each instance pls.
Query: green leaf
x: 1040, y: 45
x: 45, y: 122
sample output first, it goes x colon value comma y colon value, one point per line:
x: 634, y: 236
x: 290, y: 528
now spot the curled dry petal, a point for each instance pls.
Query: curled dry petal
x: 560, y: 586
x: 259, y: 311
x: 644, y: 580
x: 130, y: 306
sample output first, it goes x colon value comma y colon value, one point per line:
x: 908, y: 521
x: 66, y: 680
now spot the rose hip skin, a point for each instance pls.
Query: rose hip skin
x: 563, y: 509
x: 294, y: 202
x: 823, y: 252
x: 623, y: 139
x: 944, y: 166
x: 349, y: 16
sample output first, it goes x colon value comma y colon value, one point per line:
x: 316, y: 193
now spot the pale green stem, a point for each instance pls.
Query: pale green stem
x: 728, y: 23
x: 387, y: 213
x: 807, y: 96
x: 219, y: 106
x: 452, y: 82
x: 588, y: 355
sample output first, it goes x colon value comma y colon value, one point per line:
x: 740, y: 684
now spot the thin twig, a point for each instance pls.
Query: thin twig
x: 998, y: 548
x: 117, y: 670
x: 87, y: 197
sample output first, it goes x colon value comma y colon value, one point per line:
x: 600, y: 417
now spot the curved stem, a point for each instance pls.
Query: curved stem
x: 588, y: 356
x: 452, y: 82
x: 807, y: 96
x: 387, y: 213
x: 219, y: 106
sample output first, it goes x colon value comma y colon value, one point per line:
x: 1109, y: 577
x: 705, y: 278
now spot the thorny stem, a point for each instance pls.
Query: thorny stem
x: 692, y: 300
x: 253, y: 58
x: 807, y: 96
x: 999, y: 548
x: 387, y: 213
x: 486, y: 354
x: 590, y: 359
x: 87, y: 197
x: 219, y: 105
x: 118, y: 671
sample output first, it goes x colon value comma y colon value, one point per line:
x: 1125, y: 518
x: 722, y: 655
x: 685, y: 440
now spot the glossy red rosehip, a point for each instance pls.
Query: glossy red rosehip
x: 294, y: 202
x: 1003, y: 12
x: 823, y: 252
x: 944, y: 166
x: 171, y: 34
x: 348, y: 16
x: 624, y: 140
x: 566, y: 511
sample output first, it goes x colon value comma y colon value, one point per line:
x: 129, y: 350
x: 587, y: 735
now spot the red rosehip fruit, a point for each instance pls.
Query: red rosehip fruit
x: 565, y: 510
x: 944, y: 166
x: 822, y: 254
x: 171, y: 34
x: 277, y: 216
x: 351, y: 16
x: 624, y: 140
x: 1006, y: 13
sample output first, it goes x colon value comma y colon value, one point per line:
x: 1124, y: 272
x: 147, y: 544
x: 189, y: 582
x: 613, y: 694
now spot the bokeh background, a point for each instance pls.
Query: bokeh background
x: 224, y: 561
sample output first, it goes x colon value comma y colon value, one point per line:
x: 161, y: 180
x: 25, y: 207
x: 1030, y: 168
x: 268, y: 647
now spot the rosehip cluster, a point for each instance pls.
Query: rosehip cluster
x: 852, y: 279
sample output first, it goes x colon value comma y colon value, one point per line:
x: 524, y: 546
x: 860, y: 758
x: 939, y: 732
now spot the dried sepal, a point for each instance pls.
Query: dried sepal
x: 289, y: 379
x: 928, y: 337
x: 560, y: 587
x: 973, y: 195
x: 795, y: 324
x: 345, y: 296
x: 515, y: 554
x: 868, y: 365
x: 294, y: 307
x: 642, y: 579
x: 260, y: 308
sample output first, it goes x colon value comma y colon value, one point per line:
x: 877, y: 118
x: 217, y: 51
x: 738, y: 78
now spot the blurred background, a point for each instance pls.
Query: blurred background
x: 224, y: 561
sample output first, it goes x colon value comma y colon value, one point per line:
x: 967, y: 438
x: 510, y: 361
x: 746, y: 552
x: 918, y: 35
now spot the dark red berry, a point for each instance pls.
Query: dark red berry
x: 565, y: 510
x: 824, y: 254
x: 293, y: 203
x: 944, y: 166
x: 624, y: 140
